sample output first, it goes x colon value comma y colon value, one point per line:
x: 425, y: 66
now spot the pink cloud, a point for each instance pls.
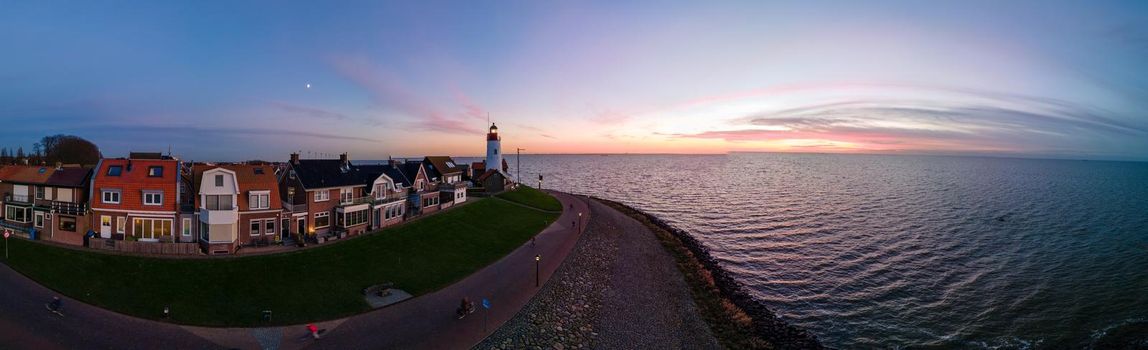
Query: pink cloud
x: 387, y: 89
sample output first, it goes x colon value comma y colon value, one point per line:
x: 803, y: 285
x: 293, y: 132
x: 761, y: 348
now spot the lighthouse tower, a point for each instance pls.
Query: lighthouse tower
x: 493, y: 149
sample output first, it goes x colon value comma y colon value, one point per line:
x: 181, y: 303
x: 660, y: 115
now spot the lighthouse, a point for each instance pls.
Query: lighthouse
x: 493, y: 149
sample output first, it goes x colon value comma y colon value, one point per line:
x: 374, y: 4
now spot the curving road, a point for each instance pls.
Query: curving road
x: 425, y: 322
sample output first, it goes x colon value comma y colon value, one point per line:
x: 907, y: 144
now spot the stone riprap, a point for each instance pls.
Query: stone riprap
x: 619, y: 289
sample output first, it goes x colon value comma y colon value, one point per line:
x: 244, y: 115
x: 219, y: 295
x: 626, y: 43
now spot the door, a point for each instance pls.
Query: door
x: 302, y: 224
x: 378, y: 213
x: 285, y: 228
x: 38, y: 220
x: 105, y: 226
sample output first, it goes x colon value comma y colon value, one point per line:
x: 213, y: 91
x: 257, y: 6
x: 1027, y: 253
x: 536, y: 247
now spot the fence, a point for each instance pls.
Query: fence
x: 157, y: 248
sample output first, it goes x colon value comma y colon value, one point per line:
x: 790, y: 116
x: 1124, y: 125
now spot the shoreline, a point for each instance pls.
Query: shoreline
x: 765, y: 323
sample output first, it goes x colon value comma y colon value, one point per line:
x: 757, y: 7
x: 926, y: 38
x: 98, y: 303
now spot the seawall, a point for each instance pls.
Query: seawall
x: 765, y: 322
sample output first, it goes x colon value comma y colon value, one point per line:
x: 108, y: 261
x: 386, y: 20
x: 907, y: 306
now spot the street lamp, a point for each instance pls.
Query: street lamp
x: 537, y: 268
x: 519, y: 165
x: 579, y: 222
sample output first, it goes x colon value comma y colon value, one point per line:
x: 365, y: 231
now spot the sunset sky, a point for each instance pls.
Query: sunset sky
x: 224, y: 81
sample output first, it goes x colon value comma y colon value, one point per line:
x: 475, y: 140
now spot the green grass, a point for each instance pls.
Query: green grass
x: 529, y: 196
x: 307, y: 285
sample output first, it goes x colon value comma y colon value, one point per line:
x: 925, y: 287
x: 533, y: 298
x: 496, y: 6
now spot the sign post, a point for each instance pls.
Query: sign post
x: 485, y: 305
x: 7, y: 233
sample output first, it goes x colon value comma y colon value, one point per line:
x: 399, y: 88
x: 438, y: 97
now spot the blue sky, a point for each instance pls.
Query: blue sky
x: 222, y: 81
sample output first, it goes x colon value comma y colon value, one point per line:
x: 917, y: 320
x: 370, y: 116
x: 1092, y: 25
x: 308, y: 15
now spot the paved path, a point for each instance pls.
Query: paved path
x: 425, y: 322
x: 26, y: 324
x: 618, y: 289
x: 428, y: 322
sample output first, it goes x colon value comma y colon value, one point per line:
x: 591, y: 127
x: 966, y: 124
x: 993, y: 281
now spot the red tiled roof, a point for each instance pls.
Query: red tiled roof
x: 28, y: 174
x: 133, y: 182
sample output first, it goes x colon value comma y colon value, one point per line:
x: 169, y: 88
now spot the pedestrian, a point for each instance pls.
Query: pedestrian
x: 314, y: 331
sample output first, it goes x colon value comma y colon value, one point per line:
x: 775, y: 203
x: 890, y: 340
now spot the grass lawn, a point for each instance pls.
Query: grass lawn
x: 314, y: 284
x: 532, y: 197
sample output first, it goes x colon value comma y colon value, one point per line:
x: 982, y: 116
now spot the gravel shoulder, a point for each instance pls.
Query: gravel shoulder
x: 619, y: 289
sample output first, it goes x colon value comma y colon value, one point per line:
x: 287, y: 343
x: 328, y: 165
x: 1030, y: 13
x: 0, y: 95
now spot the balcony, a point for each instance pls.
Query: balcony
x: 15, y: 198
x: 218, y: 217
x: 390, y: 198
x: 295, y: 208
x: 65, y: 208
x: 348, y: 201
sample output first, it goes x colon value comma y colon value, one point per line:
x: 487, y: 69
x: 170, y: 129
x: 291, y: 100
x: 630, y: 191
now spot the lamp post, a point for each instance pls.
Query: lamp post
x: 519, y: 165
x: 579, y: 222
x: 537, y: 269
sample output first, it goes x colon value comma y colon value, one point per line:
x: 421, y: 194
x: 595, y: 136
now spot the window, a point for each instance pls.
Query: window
x: 322, y: 220
x: 218, y: 180
x: 186, y: 228
x: 394, y: 211
x: 353, y: 218
x: 18, y: 214
x: 255, y: 227
x: 291, y: 194
x: 64, y: 195
x: 39, y: 192
x: 258, y: 171
x: 111, y: 196
x: 120, y: 222
x: 495, y: 151
x: 115, y: 170
x: 218, y: 202
x: 66, y: 223
x: 155, y: 171
x: 269, y: 226
x: 346, y: 195
x: 151, y: 228
x: 106, y: 221
x: 153, y: 198
x: 322, y: 196
x: 259, y: 200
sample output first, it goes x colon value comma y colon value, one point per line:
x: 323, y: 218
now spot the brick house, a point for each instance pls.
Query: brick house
x: 325, y: 196
x: 137, y: 198
x: 50, y: 200
x: 389, y: 196
x: 424, y: 195
x: 235, y: 205
x: 452, y: 188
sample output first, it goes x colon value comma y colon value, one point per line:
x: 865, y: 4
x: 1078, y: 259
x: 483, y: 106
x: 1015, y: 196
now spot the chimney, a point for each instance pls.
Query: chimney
x: 343, y: 157
x: 294, y: 158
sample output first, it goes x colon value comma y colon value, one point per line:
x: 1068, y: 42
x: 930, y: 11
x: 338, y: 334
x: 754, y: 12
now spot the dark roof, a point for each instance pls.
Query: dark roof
x: 410, y: 170
x: 369, y: 173
x: 441, y: 165
x: 69, y: 177
x: 323, y: 173
x: 488, y: 174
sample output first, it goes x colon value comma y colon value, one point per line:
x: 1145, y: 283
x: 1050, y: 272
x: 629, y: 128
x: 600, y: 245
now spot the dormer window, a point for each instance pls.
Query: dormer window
x: 115, y: 170
x: 155, y: 171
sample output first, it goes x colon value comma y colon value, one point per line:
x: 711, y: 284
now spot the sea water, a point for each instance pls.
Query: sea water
x: 884, y: 251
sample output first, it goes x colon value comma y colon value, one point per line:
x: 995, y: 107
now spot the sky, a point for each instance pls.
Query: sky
x: 231, y: 81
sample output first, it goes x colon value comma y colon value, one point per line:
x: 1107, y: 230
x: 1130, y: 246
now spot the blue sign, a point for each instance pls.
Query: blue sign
x: 485, y: 303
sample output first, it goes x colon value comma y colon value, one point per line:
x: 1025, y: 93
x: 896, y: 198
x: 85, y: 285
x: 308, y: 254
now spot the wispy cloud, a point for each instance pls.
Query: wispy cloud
x: 309, y: 112
x: 388, y: 90
x: 998, y: 121
x: 203, y: 133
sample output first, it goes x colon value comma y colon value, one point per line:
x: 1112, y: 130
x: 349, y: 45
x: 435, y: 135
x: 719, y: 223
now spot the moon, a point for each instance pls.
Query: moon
x: 308, y: 85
